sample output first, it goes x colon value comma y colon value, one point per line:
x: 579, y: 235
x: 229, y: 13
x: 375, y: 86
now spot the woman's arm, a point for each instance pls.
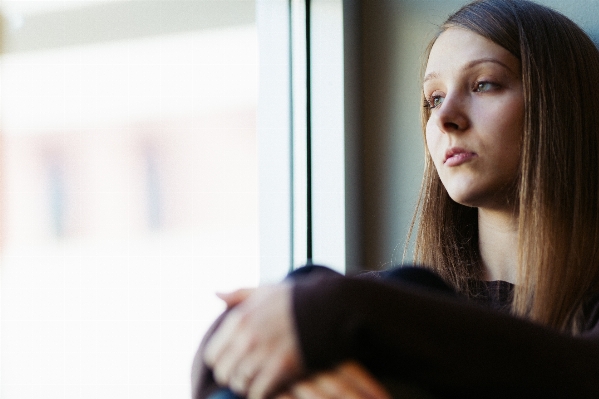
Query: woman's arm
x: 449, y: 346
x: 403, y: 334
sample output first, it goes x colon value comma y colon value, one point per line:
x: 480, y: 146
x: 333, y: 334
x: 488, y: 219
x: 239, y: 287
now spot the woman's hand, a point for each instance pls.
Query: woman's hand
x: 348, y: 381
x: 255, y: 350
x: 234, y: 298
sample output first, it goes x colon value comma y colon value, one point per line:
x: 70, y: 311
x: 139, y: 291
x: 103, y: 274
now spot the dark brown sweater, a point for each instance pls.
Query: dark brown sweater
x: 420, y: 337
x: 448, y: 346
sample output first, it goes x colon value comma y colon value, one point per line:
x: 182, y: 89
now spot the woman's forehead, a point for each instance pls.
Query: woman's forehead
x: 458, y: 48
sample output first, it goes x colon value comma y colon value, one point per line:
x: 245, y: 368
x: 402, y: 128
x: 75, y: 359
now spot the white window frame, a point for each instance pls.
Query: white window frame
x: 301, y: 225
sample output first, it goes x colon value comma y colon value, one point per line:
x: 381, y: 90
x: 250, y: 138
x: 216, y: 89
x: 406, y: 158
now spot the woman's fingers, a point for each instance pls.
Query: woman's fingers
x: 255, y: 349
x: 356, y: 375
x: 277, y: 369
x: 221, y: 351
x: 348, y: 381
x: 310, y: 390
x: 245, y: 373
x: 322, y: 387
x: 235, y: 297
x: 255, y: 352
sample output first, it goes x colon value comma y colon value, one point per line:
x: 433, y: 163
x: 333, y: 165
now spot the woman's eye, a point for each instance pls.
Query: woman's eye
x: 434, y: 101
x: 484, y: 86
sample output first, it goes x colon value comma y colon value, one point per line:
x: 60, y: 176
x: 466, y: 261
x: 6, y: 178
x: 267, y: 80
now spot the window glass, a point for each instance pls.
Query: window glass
x: 128, y: 183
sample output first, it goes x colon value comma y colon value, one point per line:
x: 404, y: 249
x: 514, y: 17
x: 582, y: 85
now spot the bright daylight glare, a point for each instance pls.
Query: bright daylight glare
x: 128, y: 186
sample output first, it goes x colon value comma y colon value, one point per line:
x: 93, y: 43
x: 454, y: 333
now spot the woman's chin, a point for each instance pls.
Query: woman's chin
x: 469, y: 198
x: 463, y: 196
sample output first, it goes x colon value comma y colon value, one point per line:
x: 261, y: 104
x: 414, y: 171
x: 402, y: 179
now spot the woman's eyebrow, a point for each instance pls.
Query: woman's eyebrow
x: 476, y: 62
x: 470, y: 65
x: 430, y: 76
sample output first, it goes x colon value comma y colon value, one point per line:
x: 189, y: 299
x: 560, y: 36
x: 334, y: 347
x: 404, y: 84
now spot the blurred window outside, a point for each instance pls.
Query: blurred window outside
x: 129, y: 178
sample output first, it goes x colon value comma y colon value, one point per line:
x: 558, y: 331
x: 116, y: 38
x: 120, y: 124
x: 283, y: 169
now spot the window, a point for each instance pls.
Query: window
x: 302, y: 175
x: 129, y: 190
x: 149, y: 160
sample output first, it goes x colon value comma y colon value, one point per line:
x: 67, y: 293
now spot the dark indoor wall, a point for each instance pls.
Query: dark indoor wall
x: 384, y: 42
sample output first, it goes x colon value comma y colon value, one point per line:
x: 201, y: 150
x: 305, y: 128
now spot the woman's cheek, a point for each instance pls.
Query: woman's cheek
x: 429, y: 138
x: 432, y: 144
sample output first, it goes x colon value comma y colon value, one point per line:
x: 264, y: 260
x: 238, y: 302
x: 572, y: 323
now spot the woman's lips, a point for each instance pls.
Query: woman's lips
x: 457, y: 156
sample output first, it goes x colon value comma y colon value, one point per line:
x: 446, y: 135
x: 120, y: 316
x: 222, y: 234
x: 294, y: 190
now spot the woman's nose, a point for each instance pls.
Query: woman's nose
x: 451, y: 114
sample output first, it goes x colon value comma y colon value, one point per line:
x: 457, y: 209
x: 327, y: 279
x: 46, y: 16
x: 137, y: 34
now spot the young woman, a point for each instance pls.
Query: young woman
x: 508, y: 218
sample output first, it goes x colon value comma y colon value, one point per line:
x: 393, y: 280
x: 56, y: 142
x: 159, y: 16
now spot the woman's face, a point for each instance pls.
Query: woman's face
x: 474, y: 89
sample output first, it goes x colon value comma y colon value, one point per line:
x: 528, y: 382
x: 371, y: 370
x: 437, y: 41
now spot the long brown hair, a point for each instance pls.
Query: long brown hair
x: 557, y: 195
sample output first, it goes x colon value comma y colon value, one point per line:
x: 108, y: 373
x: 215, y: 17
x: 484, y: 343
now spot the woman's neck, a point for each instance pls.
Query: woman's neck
x: 498, y: 244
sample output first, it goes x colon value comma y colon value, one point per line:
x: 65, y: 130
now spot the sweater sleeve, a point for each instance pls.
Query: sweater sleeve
x: 449, y: 346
